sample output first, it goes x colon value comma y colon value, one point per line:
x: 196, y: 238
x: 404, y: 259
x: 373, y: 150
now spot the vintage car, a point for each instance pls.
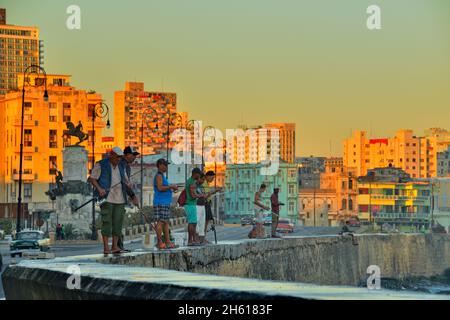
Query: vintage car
x: 285, y: 226
x: 29, y: 240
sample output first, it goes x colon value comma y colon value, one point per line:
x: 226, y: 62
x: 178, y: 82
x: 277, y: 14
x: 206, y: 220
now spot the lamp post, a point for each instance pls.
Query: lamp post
x: 206, y: 129
x: 190, y: 125
x: 144, y: 114
x: 99, y: 110
x: 173, y: 119
x: 27, y: 71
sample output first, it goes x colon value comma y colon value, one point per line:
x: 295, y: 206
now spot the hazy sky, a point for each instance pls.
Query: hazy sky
x: 312, y: 62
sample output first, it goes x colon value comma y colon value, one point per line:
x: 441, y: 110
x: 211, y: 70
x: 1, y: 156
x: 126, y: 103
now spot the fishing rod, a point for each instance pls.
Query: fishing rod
x: 100, y: 200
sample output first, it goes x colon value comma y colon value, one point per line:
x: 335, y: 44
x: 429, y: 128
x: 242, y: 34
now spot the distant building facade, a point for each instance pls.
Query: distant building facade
x: 389, y: 195
x: 243, y: 180
x: 20, y: 47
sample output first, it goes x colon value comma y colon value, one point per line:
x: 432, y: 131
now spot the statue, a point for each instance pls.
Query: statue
x: 59, y: 179
x: 75, y: 132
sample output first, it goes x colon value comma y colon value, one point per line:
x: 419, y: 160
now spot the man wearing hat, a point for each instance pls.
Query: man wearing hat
x: 110, y: 181
x: 129, y: 156
x: 161, y: 204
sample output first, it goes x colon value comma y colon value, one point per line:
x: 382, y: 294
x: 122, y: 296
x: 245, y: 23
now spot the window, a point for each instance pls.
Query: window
x: 28, y: 158
x: 28, y: 138
x: 350, y: 204
x: 363, y: 208
x: 52, y: 118
x: 363, y: 190
x: 66, y: 112
x: 53, y: 139
x: 28, y: 190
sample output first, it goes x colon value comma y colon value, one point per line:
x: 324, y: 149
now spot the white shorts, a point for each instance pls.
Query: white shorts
x: 259, y: 215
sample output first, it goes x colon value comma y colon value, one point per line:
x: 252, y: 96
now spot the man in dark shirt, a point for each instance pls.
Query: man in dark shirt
x: 275, y: 211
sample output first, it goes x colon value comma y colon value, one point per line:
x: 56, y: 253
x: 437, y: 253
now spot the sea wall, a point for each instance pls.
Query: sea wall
x: 330, y: 260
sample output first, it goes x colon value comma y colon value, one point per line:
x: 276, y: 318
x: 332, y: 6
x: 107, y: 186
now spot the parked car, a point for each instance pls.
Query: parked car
x: 353, y: 222
x: 29, y: 240
x: 267, y: 219
x: 9, y: 238
x: 248, y: 220
x: 285, y: 226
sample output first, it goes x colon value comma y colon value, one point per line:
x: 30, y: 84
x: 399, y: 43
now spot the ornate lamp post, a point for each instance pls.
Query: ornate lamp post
x: 190, y: 125
x: 173, y: 119
x: 26, y: 72
x: 144, y: 116
x: 99, y: 110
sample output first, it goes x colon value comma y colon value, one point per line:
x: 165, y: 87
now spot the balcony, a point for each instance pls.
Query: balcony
x: 25, y: 177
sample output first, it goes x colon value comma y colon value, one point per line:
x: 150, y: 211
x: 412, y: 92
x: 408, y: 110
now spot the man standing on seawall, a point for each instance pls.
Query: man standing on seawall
x: 110, y: 181
x: 275, y: 204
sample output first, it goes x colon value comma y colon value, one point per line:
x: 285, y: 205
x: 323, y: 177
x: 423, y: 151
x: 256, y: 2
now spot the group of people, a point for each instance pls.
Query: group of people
x: 198, y: 205
x: 258, y: 230
x: 111, y: 180
x: 60, y: 232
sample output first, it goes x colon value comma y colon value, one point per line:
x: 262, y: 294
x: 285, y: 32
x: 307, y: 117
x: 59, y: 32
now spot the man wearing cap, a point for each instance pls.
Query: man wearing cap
x: 129, y: 156
x: 110, y: 181
x: 162, y: 200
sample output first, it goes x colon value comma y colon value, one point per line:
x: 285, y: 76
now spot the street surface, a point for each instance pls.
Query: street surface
x: 224, y: 233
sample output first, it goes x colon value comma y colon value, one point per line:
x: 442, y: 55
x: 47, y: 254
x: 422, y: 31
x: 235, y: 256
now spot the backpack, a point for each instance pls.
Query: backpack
x: 182, y: 198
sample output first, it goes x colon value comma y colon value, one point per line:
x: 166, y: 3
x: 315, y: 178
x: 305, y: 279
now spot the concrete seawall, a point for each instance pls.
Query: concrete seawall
x: 331, y: 260
x: 326, y: 267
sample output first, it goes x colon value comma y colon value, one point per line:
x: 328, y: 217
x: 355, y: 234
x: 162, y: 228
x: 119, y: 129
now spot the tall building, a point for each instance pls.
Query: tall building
x: 129, y: 108
x: 258, y: 144
x: 243, y: 180
x: 20, y: 47
x: 287, y: 140
x: 44, y: 125
x: 309, y: 170
x: 443, y: 163
x: 415, y: 155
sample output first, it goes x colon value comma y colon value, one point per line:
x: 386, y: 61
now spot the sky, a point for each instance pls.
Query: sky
x: 312, y: 62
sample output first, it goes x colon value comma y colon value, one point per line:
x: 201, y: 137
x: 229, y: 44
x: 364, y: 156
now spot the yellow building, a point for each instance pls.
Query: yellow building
x: 390, y: 195
x: 44, y: 124
x: 19, y: 47
x: 415, y: 155
x: 129, y: 107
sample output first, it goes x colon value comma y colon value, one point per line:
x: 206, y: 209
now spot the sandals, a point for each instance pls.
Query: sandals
x: 171, y: 245
x: 161, y: 246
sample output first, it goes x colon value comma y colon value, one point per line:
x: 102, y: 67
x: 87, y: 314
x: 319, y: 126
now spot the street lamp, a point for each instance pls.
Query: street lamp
x: 190, y: 125
x: 144, y: 114
x: 27, y: 71
x: 99, y: 110
x: 206, y: 129
x: 173, y: 119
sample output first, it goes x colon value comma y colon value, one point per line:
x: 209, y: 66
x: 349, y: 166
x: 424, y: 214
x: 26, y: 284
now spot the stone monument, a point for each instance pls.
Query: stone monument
x: 73, y: 192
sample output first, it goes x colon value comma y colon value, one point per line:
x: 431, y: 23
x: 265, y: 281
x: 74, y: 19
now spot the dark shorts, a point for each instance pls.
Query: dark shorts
x: 208, y: 210
x: 161, y: 212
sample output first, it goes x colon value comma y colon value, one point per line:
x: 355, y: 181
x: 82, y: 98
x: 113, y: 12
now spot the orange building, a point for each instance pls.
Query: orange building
x: 129, y: 108
x: 415, y: 155
x: 44, y: 124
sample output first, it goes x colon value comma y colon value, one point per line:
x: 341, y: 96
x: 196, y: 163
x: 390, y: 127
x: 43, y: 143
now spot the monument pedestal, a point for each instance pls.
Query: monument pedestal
x: 75, y: 192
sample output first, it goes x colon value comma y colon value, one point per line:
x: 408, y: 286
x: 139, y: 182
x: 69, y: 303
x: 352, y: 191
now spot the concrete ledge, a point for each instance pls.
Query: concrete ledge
x: 35, y: 280
x: 145, y: 275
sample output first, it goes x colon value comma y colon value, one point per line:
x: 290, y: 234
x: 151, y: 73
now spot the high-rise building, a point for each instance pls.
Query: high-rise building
x: 416, y: 155
x: 133, y: 105
x: 258, y: 143
x: 287, y: 140
x: 20, y: 47
x: 44, y: 125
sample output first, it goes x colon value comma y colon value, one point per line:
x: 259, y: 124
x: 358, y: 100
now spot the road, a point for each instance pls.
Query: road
x: 224, y: 233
